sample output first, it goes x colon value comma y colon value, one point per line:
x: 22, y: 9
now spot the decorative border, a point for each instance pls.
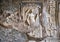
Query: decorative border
x: 57, y: 13
x: 57, y: 18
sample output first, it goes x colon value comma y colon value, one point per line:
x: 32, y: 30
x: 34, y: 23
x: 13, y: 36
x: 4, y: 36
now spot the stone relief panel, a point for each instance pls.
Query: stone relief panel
x: 36, y: 22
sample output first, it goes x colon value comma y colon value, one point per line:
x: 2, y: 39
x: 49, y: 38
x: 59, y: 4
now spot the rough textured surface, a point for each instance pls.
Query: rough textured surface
x: 11, y: 35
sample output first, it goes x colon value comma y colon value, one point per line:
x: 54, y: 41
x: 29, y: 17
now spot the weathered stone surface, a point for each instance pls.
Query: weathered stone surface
x: 11, y: 35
